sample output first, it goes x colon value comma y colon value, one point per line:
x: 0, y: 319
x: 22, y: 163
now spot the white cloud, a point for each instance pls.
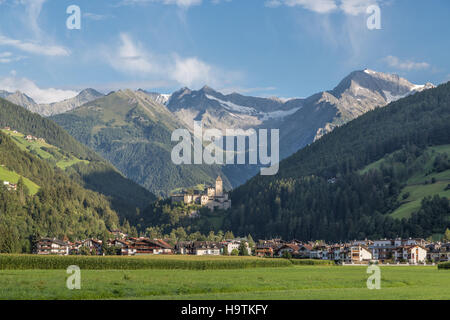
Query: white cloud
x: 407, y: 65
x: 320, y: 6
x: 12, y: 83
x: 130, y: 57
x: 356, y: 7
x: 96, y: 16
x: 33, y: 10
x: 191, y: 72
x: 350, y: 7
x: 7, y: 57
x: 179, y: 3
x: 34, y: 47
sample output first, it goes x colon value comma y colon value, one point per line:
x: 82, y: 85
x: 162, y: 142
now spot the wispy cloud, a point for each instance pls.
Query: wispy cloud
x: 350, y: 7
x: 96, y: 16
x: 132, y: 58
x: 33, y: 10
x: 34, y: 47
x: 39, y: 43
x: 8, y: 57
x: 407, y: 65
x: 179, y: 3
x: 356, y: 7
x: 320, y: 6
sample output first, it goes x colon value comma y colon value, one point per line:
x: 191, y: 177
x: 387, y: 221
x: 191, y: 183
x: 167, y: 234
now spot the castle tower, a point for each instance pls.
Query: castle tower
x: 219, y: 187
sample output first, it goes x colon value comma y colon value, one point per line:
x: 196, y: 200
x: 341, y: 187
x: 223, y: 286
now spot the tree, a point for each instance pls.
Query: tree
x: 225, y: 250
x: 243, y: 249
x: 9, y: 239
x: 251, y: 242
x: 229, y: 235
x: 447, y: 235
x: 84, y: 251
x: 22, y: 189
x: 235, y: 252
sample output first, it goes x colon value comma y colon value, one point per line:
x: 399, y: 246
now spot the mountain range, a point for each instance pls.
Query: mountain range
x: 49, y: 109
x: 132, y: 129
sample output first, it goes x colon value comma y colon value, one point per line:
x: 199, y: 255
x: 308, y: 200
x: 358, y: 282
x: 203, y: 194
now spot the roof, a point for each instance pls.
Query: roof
x: 219, y: 178
x: 54, y: 240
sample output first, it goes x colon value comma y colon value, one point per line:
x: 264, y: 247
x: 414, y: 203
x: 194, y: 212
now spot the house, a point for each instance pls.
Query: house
x: 184, y: 247
x: 231, y: 245
x: 142, y: 246
x: 10, y: 186
x: 304, y: 251
x: 320, y: 252
x: 47, y: 246
x: 358, y: 254
x: 264, y: 250
x: 413, y: 254
x: 94, y: 246
x: 438, y: 252
x: 384, y: 249
x: 235, y: 244
x: 287, y: 248
x: 203, y: 248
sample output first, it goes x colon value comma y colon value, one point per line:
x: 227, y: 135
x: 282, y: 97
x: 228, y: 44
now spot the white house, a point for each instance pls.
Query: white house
x: 413, y: 254
x: 359, y: 254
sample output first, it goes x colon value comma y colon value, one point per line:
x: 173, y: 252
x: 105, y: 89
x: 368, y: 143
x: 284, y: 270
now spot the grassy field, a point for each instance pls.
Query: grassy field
x: 43, y: 150
x: 419, y: 185
x: 11, y: 176
x: 191, y: 277
x: 296, y: 282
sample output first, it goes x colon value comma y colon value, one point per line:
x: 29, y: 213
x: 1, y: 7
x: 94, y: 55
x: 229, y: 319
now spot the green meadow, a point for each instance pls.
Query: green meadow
x: 262, y: 282
x: 420, y: 184
x: 43, y: 150
x: 12, y: 177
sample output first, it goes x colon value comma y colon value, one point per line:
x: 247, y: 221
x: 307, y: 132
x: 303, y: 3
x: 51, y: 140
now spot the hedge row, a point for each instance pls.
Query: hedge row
x: 310, y: 262
x: 444, y: 265
x: 25, y: 262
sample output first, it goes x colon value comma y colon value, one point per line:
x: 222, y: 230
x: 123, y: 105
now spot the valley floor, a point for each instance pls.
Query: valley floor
x: 299, y: 282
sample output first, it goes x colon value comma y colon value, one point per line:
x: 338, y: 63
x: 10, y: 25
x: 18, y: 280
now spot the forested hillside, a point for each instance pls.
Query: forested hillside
x: 92, y: 172
x: 60, y: 208
x: 322, y: 191
x: 134, y: 133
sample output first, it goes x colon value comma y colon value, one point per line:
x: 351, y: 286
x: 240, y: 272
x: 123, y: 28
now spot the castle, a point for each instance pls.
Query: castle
x: 210, y: 197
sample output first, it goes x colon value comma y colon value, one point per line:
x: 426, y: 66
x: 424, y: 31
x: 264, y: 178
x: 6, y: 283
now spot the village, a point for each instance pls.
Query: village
x: 384, y: 251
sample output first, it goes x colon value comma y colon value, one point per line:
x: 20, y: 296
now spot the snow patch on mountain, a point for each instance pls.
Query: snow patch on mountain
x: 234, y: 107
x: 280, y: 114
x: 263, y: 116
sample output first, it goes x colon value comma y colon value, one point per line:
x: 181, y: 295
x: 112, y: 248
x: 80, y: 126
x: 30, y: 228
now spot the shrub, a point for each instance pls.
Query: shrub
x: 444, y: 265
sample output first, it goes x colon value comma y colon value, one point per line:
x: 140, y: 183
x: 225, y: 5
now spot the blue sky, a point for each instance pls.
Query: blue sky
x: 285, y: 48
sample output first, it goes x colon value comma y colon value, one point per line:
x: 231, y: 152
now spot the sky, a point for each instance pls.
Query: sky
x: 283, y: 48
